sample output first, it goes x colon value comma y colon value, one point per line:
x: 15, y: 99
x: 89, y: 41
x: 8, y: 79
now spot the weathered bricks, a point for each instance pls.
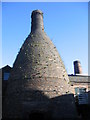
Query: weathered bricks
x: 37, y: 77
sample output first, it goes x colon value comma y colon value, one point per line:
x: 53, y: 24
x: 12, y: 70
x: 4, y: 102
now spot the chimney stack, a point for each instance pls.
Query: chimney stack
x: 77, y: 67
x: 38, y: 83
x: 37, y: 21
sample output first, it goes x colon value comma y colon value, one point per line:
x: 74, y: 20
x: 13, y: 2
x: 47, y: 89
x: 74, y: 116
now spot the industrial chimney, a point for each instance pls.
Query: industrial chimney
x: 77, y: 67
x: 37, y: 21
x: 39, y: 83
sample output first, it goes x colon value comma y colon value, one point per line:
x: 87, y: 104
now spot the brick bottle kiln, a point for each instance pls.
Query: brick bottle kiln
x: 38, y: 84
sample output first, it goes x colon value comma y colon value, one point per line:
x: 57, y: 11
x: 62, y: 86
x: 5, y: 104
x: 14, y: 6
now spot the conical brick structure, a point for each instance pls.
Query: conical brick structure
x: 38, y: 76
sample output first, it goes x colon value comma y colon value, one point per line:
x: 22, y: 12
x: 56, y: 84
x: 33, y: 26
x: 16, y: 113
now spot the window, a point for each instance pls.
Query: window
x: 79, y: 90
x: 6, y: 76
x: 81, y: 96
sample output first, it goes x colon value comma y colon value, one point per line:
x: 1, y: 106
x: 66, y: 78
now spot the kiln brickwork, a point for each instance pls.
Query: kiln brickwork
x: 38, y: 80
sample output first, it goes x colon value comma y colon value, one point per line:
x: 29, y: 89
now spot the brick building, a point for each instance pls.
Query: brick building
x: 38, y: 85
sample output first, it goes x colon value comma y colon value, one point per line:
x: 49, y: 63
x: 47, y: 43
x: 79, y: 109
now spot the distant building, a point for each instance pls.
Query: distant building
x: 81, y: 90
x: 5, y: 73
x: 79, y: 81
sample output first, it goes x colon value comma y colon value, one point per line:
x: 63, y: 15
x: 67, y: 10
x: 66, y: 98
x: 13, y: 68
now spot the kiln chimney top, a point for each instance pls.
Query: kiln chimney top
x: 37, y: 21
x: 77, y: 67
x: 37, y: 11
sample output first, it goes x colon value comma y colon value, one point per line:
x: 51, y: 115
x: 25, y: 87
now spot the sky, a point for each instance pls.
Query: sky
x: 65, y: 23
